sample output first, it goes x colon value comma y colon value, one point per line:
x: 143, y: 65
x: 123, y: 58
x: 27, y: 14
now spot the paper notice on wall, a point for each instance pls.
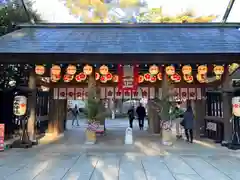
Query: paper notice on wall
x: 135, y: 94
x: 118, y: 94
x: 176, y: 94
x: 151, y: 92
x: 79, y: 93
x: 70, y: 93
x: 184, y: 93
x: 62, y: 93
x: 55, y: 93
x: 199, y: 93
x: 110, y: 92
x: 102, y: 92
x: 192, y: 93
x: 127, y: 94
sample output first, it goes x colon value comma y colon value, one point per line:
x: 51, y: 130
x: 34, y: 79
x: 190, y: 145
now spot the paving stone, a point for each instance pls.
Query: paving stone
x: 82, y: 169
x: 205, y: 170
x: 187, y: 177
x: 156, y: 169
x: 131, y: 169
x: 107, y: 168
x: 56, y: 169
x: 178, y: 166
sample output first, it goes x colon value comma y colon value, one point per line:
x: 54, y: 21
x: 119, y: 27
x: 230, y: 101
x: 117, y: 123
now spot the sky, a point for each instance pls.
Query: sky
x: 170, y: 7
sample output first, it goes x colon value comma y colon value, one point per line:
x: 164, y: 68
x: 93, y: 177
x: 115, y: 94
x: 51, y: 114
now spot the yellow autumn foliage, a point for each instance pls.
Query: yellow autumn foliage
x: 128, y: 3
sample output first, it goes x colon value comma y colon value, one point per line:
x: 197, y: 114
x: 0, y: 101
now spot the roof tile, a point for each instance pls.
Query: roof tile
x: 122, y: 40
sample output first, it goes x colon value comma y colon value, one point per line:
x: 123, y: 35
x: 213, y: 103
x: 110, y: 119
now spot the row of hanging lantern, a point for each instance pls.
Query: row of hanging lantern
x: 155, y: 74
x: 152, y: 75
x: 104, y: 75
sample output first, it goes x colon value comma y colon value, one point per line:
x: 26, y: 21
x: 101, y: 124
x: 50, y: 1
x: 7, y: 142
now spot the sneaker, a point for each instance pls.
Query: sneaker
x: 178, y: 136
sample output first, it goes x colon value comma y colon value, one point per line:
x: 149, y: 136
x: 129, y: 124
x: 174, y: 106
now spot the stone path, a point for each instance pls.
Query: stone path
x: 111, y: 166
x: 70, y: 159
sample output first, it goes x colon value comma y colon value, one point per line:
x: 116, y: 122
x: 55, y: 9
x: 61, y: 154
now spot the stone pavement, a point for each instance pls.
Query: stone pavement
x: 70, y: 159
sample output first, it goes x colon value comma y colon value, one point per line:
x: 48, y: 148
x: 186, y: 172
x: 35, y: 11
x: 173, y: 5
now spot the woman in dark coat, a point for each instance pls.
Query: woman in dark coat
x: 188, y: 123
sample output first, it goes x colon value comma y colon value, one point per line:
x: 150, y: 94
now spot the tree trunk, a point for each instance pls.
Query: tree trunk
x: 32, y: 98
x: 57, y: 116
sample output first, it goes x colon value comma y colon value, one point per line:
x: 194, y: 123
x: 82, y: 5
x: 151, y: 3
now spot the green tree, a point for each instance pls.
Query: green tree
x: 13, y: 13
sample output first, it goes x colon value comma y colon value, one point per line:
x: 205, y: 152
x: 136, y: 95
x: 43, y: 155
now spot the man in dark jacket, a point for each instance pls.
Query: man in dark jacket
x: 141, y: 112
x: 131, y: 116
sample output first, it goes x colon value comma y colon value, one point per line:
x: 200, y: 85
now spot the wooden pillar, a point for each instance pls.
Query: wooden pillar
x: 200, y: 112
x: 32, y: 100
x: 57, y: 116
x: 227, y: 107
x: 227, y: 114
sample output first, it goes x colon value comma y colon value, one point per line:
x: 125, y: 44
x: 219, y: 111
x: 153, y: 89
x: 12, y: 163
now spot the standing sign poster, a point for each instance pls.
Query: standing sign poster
x: 128, y: 77
x: 2, y: 129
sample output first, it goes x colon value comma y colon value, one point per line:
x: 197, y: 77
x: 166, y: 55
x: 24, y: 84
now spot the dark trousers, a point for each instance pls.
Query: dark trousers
x: 141, y: 122
x: 131, y: 123
x: 189, y: 134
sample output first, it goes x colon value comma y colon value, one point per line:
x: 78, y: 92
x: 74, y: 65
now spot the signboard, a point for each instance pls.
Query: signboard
x: 211, y: 126
x: 19, y: 105
x: 236, y: 106
x: 2, y: 129
x: 128, y: 77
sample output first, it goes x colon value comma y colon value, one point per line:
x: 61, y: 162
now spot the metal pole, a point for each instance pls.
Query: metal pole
x: 228, y: 10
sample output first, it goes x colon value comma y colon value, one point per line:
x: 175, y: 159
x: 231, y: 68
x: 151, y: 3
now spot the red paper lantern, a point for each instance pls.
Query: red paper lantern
x: 188, y: 78
x: 153, y: 79
x: 39, y: 69
x: 109, y: 76
x: 140, y: 78
x: 176, y: 77
x: 55, y: 78
x: 147, y: 77
x: 97, y: 76
x: 103, y: 79
x: 67, y: 78
x: 83, y: 76
x: 78, y: 78
x: 201, y: 78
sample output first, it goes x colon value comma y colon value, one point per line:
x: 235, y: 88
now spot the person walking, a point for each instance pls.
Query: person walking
x: 188, y: 122
x: 75, y: 115
x: 141, y: 112
x: 131, y: 116
x: 177, y: 117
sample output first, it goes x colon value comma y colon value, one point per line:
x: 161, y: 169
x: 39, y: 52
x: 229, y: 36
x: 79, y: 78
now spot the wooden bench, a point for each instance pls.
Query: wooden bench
x: 97, y: 128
